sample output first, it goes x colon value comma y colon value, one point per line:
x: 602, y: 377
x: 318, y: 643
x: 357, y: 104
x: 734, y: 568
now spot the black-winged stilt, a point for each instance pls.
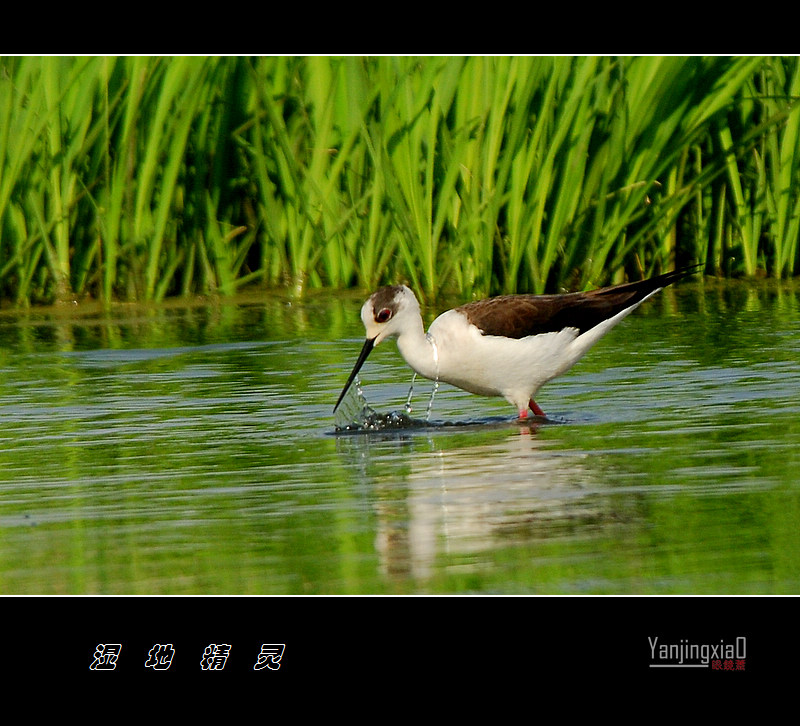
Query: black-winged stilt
x: 507, y: 346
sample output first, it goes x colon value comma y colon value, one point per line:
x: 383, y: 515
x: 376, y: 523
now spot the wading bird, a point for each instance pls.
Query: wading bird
x: 507, y: 346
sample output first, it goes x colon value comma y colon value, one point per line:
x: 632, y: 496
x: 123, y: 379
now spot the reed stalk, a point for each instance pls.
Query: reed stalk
x: 145, y: 177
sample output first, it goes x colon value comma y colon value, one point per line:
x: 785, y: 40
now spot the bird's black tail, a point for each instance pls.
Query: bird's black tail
x: 642, y: 288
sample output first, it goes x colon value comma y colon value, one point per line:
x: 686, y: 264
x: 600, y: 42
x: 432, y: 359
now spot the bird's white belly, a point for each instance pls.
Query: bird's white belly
x: 491, y: 365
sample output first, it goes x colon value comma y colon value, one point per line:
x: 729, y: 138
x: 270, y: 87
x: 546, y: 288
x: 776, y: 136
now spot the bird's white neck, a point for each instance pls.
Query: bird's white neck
x: 419, y: 350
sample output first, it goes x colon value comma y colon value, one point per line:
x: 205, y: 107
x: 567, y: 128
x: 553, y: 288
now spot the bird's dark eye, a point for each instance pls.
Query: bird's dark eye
x: 383, y: 315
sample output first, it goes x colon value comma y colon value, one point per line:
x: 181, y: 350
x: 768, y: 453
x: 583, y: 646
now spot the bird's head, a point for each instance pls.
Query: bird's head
x: 383, y: 315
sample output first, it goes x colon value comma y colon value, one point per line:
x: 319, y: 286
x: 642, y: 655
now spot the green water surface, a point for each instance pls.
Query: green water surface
x: 190, y: 449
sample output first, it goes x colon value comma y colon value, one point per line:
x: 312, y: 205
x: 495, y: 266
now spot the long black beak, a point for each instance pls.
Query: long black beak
x: 369, y: 344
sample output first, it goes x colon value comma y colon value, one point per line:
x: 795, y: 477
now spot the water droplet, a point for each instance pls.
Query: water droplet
x: 407, y: 407
x: 430, y: 402
x: 432, y: 341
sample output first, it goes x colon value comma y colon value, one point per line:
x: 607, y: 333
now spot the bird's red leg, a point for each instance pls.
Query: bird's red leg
x: 535, y: 408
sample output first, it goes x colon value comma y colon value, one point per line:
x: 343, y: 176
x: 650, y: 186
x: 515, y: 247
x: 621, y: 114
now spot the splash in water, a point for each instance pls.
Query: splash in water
x: 355, y: 414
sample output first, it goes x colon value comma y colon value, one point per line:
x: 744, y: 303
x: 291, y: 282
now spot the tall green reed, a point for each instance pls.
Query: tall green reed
x: 144, y: 177
x: 761, y: 184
